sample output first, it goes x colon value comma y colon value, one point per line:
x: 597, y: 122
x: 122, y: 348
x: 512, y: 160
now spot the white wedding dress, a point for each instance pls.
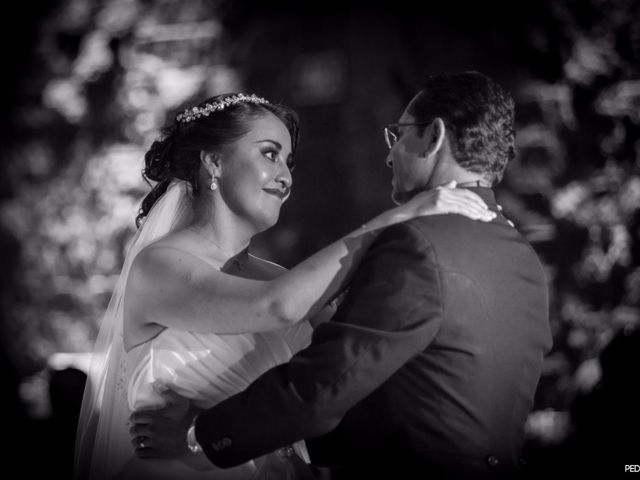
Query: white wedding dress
x: 205, y: 368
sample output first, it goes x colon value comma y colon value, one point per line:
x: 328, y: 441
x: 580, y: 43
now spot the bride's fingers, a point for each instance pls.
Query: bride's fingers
x: 466, y: 198
x: 472, y: 205
x: 445, y: 199
x: 467, y: 208
x: 467, y: 194
x: 462, y: 196
x: 474, y: 215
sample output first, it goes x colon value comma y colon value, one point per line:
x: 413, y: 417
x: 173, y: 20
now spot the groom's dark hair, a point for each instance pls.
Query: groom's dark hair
x: 478, y: 114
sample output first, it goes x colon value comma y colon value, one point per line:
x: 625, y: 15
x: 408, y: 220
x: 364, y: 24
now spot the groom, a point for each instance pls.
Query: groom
x: 429, y: 367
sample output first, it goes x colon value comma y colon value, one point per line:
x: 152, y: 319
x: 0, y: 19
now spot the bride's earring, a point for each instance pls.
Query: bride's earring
x: 214, y: 185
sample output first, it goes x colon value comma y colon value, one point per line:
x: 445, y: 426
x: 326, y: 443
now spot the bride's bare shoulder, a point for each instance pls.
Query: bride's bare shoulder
x: 164, y: 253
x: 179, y: 240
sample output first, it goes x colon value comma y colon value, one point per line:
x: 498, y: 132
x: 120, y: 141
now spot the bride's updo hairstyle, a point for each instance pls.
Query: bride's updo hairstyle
x: 210, y: 126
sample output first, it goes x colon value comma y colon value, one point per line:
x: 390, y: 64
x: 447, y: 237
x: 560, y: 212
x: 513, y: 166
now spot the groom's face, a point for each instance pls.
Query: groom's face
x: 411, y: 167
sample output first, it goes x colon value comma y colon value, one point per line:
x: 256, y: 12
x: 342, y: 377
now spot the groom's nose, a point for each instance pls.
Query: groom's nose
x: 389, y: 161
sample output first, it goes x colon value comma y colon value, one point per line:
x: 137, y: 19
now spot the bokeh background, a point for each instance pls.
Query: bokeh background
x: 87, y: 84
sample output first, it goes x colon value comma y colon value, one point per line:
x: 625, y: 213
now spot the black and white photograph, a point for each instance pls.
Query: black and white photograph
x: 320, y: 239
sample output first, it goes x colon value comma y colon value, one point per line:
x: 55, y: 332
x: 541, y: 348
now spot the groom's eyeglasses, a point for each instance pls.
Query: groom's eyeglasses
x: 392, y: 132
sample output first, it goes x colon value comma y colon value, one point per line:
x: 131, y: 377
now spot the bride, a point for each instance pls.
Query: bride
x: 194, y: 312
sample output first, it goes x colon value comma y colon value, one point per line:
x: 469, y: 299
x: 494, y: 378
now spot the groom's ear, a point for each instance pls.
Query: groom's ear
x: 433, y: 136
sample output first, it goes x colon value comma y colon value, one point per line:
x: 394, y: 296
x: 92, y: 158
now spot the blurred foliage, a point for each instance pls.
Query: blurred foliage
x: 575, y: 191
x: 104, y: 78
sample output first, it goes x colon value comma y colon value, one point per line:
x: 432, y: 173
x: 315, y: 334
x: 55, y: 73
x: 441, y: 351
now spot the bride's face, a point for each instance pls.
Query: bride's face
x: 255, y: 179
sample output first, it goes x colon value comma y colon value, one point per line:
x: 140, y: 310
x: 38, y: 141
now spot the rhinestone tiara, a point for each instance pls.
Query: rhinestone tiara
x: 193, y: 113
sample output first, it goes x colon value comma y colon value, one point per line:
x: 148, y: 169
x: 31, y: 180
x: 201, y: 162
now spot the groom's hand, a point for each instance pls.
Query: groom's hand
x: 162, y: 432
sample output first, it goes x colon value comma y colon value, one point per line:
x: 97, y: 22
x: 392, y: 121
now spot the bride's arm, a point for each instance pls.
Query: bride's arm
x: 172, y: 288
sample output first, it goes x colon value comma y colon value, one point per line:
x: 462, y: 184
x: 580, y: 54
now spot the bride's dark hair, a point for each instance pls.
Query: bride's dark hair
x: 176, y: 153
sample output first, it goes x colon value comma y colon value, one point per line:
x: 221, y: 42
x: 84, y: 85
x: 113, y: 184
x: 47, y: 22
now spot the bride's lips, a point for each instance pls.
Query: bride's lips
x: 281, y: 194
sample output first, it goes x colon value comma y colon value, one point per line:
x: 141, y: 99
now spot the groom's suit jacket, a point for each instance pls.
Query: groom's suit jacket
x: 429, y: 365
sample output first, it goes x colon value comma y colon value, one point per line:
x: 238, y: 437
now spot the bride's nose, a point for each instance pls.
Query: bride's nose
x: 284, y: 179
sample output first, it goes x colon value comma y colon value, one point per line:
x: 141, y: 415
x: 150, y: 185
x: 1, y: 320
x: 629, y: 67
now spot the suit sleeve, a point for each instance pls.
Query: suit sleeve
x: 391, y: 313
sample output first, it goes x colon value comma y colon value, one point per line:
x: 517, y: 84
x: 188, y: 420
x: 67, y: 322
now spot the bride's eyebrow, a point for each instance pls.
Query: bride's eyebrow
x: 276, y: 144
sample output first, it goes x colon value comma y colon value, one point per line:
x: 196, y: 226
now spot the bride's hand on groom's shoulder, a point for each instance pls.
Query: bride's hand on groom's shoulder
x: 162, y: 432
x: 447, y: 199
